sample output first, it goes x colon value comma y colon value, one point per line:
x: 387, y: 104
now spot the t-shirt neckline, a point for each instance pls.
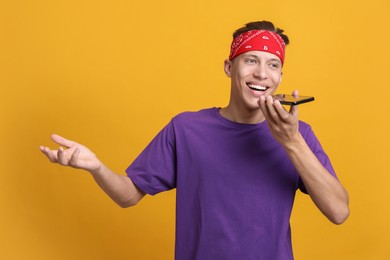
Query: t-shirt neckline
x: 216, y: 112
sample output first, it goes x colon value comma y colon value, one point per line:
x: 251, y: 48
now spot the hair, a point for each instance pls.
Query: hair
x: 261, y: 25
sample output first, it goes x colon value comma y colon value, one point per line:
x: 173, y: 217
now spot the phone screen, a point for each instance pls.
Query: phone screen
x: 291, y: 100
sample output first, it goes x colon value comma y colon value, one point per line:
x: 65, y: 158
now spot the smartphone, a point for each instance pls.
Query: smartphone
x: 291, y: 100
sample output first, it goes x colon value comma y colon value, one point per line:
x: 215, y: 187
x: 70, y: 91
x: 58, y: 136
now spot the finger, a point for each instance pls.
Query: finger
x: 294, y: 111
x: 74, y: 158
x: 271, y: 108
x: 62, y: 157
x: 62, y: 141
x: 50, y: 154
x: 281, y: 111
x: 262, y: 103
x: 42, y: 148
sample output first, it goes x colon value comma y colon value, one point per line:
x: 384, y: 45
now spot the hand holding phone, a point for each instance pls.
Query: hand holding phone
x: 291, y: 100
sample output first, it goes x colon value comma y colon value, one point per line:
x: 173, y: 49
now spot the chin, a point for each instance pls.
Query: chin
x: 252, y: 105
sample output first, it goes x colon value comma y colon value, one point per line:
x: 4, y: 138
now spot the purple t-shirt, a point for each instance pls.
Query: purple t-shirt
x: 235, y: 185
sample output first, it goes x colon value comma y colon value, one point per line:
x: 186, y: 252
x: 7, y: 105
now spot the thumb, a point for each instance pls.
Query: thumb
x: 294, y: 109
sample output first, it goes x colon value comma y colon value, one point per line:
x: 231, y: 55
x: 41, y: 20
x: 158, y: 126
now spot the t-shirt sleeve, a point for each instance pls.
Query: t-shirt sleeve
x: 314, y: 144
x: 154, y: 170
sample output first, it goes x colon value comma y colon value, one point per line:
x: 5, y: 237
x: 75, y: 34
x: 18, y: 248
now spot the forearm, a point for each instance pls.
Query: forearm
x: 119, y: 188
x: 325, y: 190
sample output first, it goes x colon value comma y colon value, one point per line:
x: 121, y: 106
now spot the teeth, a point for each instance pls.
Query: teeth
x: 257, y: 87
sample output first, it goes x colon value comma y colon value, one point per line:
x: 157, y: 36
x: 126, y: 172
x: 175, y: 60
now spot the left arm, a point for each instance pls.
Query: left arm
x: 324, y: 189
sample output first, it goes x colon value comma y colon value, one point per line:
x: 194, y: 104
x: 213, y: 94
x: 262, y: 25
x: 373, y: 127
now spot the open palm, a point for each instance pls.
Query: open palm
x: 72, y: 154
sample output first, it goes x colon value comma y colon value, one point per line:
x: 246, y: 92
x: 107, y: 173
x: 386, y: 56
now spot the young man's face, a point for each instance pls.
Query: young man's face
x: 253, y: 74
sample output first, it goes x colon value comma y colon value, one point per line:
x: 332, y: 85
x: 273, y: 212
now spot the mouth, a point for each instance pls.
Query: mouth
x: 257, y: 87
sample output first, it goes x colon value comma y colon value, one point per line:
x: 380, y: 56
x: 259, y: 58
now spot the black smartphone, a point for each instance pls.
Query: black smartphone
x: 290, y: 100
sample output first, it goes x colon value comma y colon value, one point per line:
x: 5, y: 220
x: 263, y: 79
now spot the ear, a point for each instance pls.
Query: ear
x: 228, y: 67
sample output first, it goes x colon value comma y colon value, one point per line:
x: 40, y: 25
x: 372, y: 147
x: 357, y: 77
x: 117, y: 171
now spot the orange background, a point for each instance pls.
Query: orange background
x: 111, y: 74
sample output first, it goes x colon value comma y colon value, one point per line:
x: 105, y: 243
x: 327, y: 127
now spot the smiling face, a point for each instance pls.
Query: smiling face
x: 252, y: 74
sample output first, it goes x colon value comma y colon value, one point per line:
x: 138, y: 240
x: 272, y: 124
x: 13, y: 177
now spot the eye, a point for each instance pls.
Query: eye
x: 251, y: 61
x: 274, y: 65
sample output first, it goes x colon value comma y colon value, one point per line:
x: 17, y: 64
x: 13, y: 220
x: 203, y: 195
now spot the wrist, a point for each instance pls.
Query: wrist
x: 295, y: 144
x: 98, y: 170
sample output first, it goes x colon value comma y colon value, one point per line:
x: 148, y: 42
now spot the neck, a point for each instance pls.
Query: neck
x: 249, y: 116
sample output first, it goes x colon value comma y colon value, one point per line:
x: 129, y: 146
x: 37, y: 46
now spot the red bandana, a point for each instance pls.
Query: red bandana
x: 258, y: 40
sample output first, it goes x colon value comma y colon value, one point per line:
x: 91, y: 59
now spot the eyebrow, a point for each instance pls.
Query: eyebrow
x: 257, y: 57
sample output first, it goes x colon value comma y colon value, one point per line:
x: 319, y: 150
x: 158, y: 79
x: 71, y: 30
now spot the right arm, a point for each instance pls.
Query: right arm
x: 119, y: 188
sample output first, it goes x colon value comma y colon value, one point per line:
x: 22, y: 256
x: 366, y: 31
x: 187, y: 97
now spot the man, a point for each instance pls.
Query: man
x: 236, y: 169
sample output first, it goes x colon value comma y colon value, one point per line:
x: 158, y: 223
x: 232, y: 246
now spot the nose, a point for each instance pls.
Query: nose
x: 260, y: 72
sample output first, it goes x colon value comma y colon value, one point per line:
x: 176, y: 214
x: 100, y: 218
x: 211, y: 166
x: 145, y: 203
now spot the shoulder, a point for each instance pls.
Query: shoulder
x: 304, y: 128
x: 194, y: 116
x: 307, y: 133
